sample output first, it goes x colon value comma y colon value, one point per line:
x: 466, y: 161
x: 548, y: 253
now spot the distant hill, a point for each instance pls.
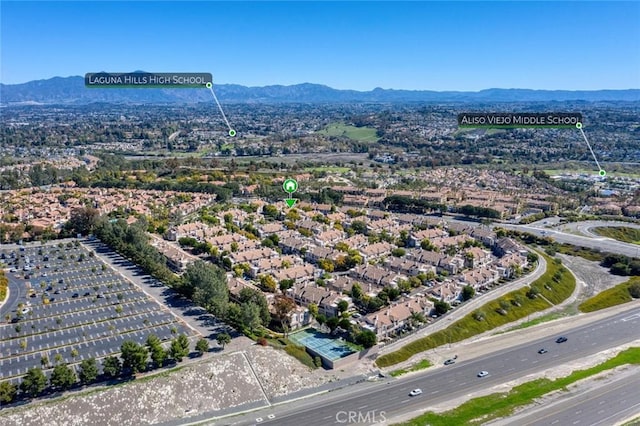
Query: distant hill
x: 71, y: 90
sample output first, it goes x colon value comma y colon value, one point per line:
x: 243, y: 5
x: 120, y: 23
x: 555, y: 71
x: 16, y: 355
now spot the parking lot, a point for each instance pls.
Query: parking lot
x: 67, y: 305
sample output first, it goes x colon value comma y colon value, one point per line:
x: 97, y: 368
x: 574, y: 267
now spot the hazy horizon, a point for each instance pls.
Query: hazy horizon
x: 440, y: 46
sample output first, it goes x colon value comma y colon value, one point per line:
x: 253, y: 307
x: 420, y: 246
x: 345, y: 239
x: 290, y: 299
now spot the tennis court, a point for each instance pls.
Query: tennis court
x: 323, y: 344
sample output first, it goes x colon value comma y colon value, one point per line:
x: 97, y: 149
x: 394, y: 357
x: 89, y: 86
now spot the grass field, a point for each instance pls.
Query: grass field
x: 425, y: 363
x: 620, y: 233
x: 556, y: 284
x: 610, y: 297
x: 362, y: 134
x: 544, y: 318
x: 482, y: 410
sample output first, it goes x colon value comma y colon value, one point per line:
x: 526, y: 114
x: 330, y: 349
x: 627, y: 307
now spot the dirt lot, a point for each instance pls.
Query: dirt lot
x: 219, y: 382
x: 595, y: 277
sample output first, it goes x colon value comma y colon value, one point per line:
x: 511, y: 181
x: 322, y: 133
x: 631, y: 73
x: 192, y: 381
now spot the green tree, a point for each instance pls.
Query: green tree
x: 223, y: 339
x: 327, y: 265
x: 367, y: 338
x: 356, y: 292
x: 111, y: 366
x: 256, y: 297
x: 268, y: 283
x: 441, y: 307
x: 33, y: 382
x: 88, y: 371
x: 345, y: 324
x: 359, y: 226
x: 158, y: 354
x: 82, y: 221
x: 250, y: 316
x: 179, y: 347
x: 270, y: 211
x: 202, y: 346
x: 313, y: 309
x: 468, y: 292
x: 332, y: 323
x: 7, y: 392
x: 398, y: 252
x: 343, y: 305
x: 634, y: 290
x: 62, y: 377
x: 206, y: 284
x: 134, y: 356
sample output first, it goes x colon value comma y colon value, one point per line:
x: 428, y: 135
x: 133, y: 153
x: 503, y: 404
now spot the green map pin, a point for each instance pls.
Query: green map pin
x: 290, y: 186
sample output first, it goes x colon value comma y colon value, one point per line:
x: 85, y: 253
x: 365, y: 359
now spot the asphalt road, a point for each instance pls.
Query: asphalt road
x: 444, y: 384
x: 601, y: 243
x: 17, y: 293
x: 601, y: 406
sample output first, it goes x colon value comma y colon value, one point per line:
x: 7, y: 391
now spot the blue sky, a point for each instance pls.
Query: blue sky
x: 346, y: 45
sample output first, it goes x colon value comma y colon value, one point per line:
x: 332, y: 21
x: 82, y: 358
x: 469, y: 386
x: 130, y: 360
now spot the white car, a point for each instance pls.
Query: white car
x: 415, y: 392
x: 483, y: 373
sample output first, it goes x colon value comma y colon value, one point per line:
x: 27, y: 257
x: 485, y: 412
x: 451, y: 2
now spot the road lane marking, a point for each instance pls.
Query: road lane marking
x: 364, y: 406
x: 402, y: 402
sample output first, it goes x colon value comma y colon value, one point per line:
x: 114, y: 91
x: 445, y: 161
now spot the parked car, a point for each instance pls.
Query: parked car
x: 74, y: 295
x: 449, y: 361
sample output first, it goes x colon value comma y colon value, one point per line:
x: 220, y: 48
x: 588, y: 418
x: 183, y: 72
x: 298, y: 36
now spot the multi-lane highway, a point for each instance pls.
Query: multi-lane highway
x: 459, y: 380
x: 601, y: 406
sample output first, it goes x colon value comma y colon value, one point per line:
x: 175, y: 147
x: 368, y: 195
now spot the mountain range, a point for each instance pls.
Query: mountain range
x: 71, y: 90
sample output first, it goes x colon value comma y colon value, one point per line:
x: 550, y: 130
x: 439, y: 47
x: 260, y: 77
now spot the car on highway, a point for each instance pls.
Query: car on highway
x: 415, y: 392
x: 483, y: 373
x: 542, y: 351
x: 561, y: 339
x: 449, y: 361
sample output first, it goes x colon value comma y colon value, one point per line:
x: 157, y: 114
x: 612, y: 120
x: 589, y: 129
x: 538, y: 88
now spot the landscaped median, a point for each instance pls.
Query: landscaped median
x: 4, y: 284
x: 553, y: 287
x: 497, y: 405
x: 425, y: 363
x: 622, y: 293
